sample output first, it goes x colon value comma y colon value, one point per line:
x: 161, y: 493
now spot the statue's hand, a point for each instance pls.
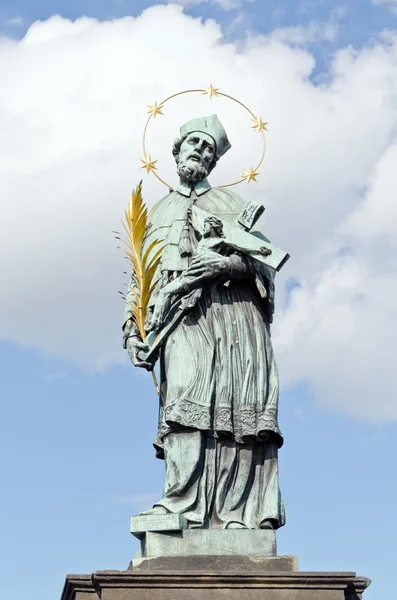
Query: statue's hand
x: 209, y: 265
x: 161, y: 309
x: 137, y: 351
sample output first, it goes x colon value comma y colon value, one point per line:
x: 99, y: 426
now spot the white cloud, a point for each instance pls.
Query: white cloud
x: 303, y: 35
x: 391, y: 4
x: 222, y: 4
x: 16, y: 21
x: 338, y: 334
x: 72, y: 111
x: 377, y: 215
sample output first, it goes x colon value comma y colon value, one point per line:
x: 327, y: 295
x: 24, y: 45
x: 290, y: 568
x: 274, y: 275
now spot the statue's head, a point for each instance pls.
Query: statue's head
x: 202, y: 142
x: 213, y: 227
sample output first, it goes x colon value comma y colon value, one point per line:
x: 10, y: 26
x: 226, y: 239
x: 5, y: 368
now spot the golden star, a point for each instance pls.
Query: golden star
x: 155, y: 109
x: 148, y: 164
x: 259, y: 125
x: 250, y: 175
x: 211, y: 91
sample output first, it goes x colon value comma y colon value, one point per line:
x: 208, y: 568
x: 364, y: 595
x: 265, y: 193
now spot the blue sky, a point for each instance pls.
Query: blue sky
x: 77, y: 461
x: 76, y: 450
x: 359, y: 20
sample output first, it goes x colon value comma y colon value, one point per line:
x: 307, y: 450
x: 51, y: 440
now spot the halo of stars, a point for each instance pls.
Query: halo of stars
x: 156, y: 109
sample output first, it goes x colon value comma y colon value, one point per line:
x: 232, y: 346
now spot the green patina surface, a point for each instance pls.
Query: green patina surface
x: 210, y: 321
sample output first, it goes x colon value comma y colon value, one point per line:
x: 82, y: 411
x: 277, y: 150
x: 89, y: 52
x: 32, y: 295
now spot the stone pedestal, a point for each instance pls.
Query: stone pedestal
x: 206, y: 542
x: 169, y: 536
x: 254, y: 583
x: 177, y: 563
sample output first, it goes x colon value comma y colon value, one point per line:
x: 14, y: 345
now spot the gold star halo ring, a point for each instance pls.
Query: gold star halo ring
x: 157, y: 109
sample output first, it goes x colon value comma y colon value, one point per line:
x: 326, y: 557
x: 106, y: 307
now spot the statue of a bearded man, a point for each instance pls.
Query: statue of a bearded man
x: 218, y: 429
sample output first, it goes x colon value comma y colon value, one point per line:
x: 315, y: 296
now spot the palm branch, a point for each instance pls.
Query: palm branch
x: 144, y: 260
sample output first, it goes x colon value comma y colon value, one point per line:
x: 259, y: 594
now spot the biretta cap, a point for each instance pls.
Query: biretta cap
x: 213, y: 127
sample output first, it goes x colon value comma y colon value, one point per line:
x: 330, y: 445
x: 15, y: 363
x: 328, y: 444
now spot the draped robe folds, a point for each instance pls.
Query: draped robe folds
x: 218, y: 429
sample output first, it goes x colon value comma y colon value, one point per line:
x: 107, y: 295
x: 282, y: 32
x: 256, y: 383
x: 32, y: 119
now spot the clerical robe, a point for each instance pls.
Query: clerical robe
x: 218, y: 429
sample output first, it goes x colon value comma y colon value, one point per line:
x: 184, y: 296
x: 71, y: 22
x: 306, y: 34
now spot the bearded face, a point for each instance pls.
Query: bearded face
x: 195, y: 157
x: 191, y: 171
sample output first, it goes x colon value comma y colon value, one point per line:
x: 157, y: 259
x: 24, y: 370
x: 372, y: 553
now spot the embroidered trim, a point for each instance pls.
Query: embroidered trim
x: 187, y: 414
x: 240, y: 424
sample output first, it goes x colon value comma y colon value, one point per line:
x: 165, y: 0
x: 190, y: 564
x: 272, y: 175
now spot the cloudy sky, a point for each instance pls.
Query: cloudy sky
x: 78, y: 420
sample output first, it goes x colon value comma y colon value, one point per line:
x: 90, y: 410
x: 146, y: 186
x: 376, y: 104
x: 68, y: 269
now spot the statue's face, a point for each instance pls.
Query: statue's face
x: 198, y: 147
x: 207, y: 229
x: 195, y: 156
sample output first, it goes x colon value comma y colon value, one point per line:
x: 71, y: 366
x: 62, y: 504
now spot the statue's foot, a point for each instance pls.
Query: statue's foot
x: 236, y: 525
x: 268, y: 524
x: 156, y: 510
x: 195, y: 525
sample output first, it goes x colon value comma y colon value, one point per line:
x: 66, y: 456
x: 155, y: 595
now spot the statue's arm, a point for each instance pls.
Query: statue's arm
x: 200, y: 272
x: 211, y: 265
x: 132, y: 341
x: 136, y: 348
x: 236, y: 266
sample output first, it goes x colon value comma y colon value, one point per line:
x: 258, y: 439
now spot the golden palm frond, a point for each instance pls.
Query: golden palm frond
x: 144, y: 260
